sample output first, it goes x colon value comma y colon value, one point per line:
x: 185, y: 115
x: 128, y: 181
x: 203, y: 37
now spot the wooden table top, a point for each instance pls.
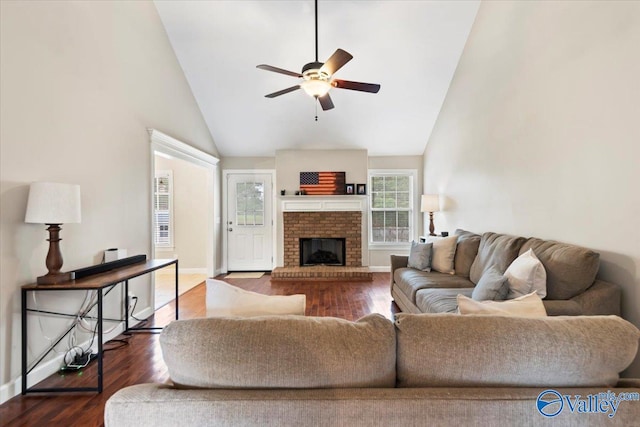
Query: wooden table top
x: 107, y: 278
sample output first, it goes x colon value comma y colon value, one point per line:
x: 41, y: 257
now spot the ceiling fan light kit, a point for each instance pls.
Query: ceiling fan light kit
x: 317, y: 76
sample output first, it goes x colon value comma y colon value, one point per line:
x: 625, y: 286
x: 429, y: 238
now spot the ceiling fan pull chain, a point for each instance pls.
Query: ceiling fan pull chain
x: 316, y: 104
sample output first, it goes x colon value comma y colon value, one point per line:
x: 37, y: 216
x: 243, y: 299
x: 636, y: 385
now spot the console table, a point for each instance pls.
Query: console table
x: 102, y: 283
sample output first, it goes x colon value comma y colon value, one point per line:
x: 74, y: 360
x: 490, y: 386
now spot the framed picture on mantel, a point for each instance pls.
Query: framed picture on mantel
x: 349, y: 188
x: 361, y: 189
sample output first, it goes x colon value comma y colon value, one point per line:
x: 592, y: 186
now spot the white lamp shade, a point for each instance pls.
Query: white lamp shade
x: 430, y: 203
x: 53, y: 203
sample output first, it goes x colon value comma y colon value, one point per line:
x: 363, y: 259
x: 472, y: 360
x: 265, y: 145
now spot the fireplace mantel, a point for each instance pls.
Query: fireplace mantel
x: 323, y: 203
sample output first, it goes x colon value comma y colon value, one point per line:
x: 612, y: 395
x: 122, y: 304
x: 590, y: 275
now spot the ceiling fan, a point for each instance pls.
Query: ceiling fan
x: 317, y: 76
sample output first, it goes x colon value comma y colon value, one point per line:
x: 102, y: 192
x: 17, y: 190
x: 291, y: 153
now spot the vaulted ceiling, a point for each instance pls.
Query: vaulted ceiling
x: 411, y: 48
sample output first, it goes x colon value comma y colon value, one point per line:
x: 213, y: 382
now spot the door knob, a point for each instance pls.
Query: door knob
x: 230, y: 229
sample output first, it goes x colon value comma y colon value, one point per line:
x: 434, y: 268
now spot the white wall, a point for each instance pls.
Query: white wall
x: 248, y: 163
x: 190, y: 214
x: 540, y: 132
x: 80, y: 83
x: 289, y: 164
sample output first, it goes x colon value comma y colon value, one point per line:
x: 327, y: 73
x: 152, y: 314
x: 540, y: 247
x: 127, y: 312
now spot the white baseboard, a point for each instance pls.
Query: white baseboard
x: 202, y: 270
x: 46, y: 369
x: 199, y: 270
x: 379, y: 268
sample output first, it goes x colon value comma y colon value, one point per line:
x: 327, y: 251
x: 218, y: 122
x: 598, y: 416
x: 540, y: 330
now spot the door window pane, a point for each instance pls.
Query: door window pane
x: 250, y: 203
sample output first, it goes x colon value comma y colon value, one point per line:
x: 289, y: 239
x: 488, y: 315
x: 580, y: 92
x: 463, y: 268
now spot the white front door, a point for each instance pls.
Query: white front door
x: 249, y: 222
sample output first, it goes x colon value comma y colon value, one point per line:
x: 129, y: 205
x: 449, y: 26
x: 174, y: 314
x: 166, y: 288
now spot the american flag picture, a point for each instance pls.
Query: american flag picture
x: 322, y: 183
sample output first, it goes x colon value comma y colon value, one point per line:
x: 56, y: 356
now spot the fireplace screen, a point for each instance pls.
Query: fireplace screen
x: 322, y: 251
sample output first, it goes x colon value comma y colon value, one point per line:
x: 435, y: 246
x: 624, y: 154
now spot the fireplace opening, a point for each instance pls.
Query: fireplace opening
x: 322, y: 251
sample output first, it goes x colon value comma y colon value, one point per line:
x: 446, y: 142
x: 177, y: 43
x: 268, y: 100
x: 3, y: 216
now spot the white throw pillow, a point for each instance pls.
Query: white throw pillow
x: 223, y: 299
x: 444, y: 252
x: 525, y: 306
x: 526, y: 274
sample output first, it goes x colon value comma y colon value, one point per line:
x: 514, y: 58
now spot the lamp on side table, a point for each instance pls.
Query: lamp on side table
x: 430, y: 203
x: 53, y: 204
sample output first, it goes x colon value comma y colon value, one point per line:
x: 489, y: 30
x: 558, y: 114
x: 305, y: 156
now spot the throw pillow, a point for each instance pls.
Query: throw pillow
x: 526, y: 274
x: 223, y: 299
x: 491, y: 286
x: 420, y: 256
x: 444, y: 252
x: 525, y: 306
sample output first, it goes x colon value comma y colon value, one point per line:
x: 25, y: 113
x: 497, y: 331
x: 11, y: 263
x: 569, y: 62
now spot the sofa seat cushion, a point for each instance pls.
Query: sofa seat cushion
x: 282, y: 351
x: 570, y: 269
x: 562, y: 307
x: 410, y: 280
x: 495, y: 249
x: 440, y: 300
x: 448, y: 350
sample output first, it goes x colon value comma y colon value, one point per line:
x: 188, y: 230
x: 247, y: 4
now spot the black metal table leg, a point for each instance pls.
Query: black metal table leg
x: 100, y: 337
x: 177, y: 291
x: 24, y: 340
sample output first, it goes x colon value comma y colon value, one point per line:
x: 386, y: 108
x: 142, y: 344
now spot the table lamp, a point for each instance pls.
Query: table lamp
x: 53, y: 204
x: 430, y: 203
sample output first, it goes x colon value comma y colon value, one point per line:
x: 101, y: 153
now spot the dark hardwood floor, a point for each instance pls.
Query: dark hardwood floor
x: 137, y: 358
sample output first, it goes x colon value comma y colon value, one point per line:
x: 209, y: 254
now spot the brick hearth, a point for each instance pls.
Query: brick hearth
x: 322, y: 272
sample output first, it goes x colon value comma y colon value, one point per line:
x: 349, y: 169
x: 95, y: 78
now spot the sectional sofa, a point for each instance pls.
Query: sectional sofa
x: 422, y: 369
x: 572, y: 286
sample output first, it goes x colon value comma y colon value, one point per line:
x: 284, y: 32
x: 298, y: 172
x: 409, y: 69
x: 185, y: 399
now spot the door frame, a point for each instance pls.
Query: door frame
x: 225, y: 203
x: 162, y: 143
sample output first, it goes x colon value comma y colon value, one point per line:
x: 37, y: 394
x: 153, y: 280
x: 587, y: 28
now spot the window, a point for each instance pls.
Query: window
x: 163, y: 209
x: 391, y: 212
x: 250, y: 203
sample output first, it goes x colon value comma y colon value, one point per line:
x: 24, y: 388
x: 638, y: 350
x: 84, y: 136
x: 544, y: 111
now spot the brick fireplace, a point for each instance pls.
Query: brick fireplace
x: 319, y: 217
x: 324, y: 224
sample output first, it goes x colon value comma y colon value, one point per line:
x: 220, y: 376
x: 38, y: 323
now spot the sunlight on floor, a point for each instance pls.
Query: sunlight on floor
x: 165, y: 284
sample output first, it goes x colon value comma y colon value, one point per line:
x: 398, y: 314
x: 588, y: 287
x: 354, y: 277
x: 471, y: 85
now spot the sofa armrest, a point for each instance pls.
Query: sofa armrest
x: 601, y: 298
x: 398, y: 261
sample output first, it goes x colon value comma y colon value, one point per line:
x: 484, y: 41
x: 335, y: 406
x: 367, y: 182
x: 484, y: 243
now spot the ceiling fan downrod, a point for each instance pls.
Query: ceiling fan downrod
x: 316, y: 14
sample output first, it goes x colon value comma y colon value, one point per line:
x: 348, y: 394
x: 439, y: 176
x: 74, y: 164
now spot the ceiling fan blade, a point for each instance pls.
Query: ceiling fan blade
x: 362, y: 87
x: 278, y: 70
x: 283, y: 91
x: 337, y: 60
x: 325, y: 102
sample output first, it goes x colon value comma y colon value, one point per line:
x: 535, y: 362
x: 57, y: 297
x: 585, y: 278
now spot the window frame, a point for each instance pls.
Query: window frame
x: 413, y: 208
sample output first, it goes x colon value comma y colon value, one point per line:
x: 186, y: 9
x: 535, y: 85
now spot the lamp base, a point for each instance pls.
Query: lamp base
x: 431, y: 226
x: 54, y: 279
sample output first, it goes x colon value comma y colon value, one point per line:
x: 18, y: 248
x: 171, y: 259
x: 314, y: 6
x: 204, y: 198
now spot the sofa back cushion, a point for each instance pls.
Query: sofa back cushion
x: 280, y: 352
x: 448, y: 350
x: 466, y: 251
x: 495, y: 249
x: 570, y: 269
